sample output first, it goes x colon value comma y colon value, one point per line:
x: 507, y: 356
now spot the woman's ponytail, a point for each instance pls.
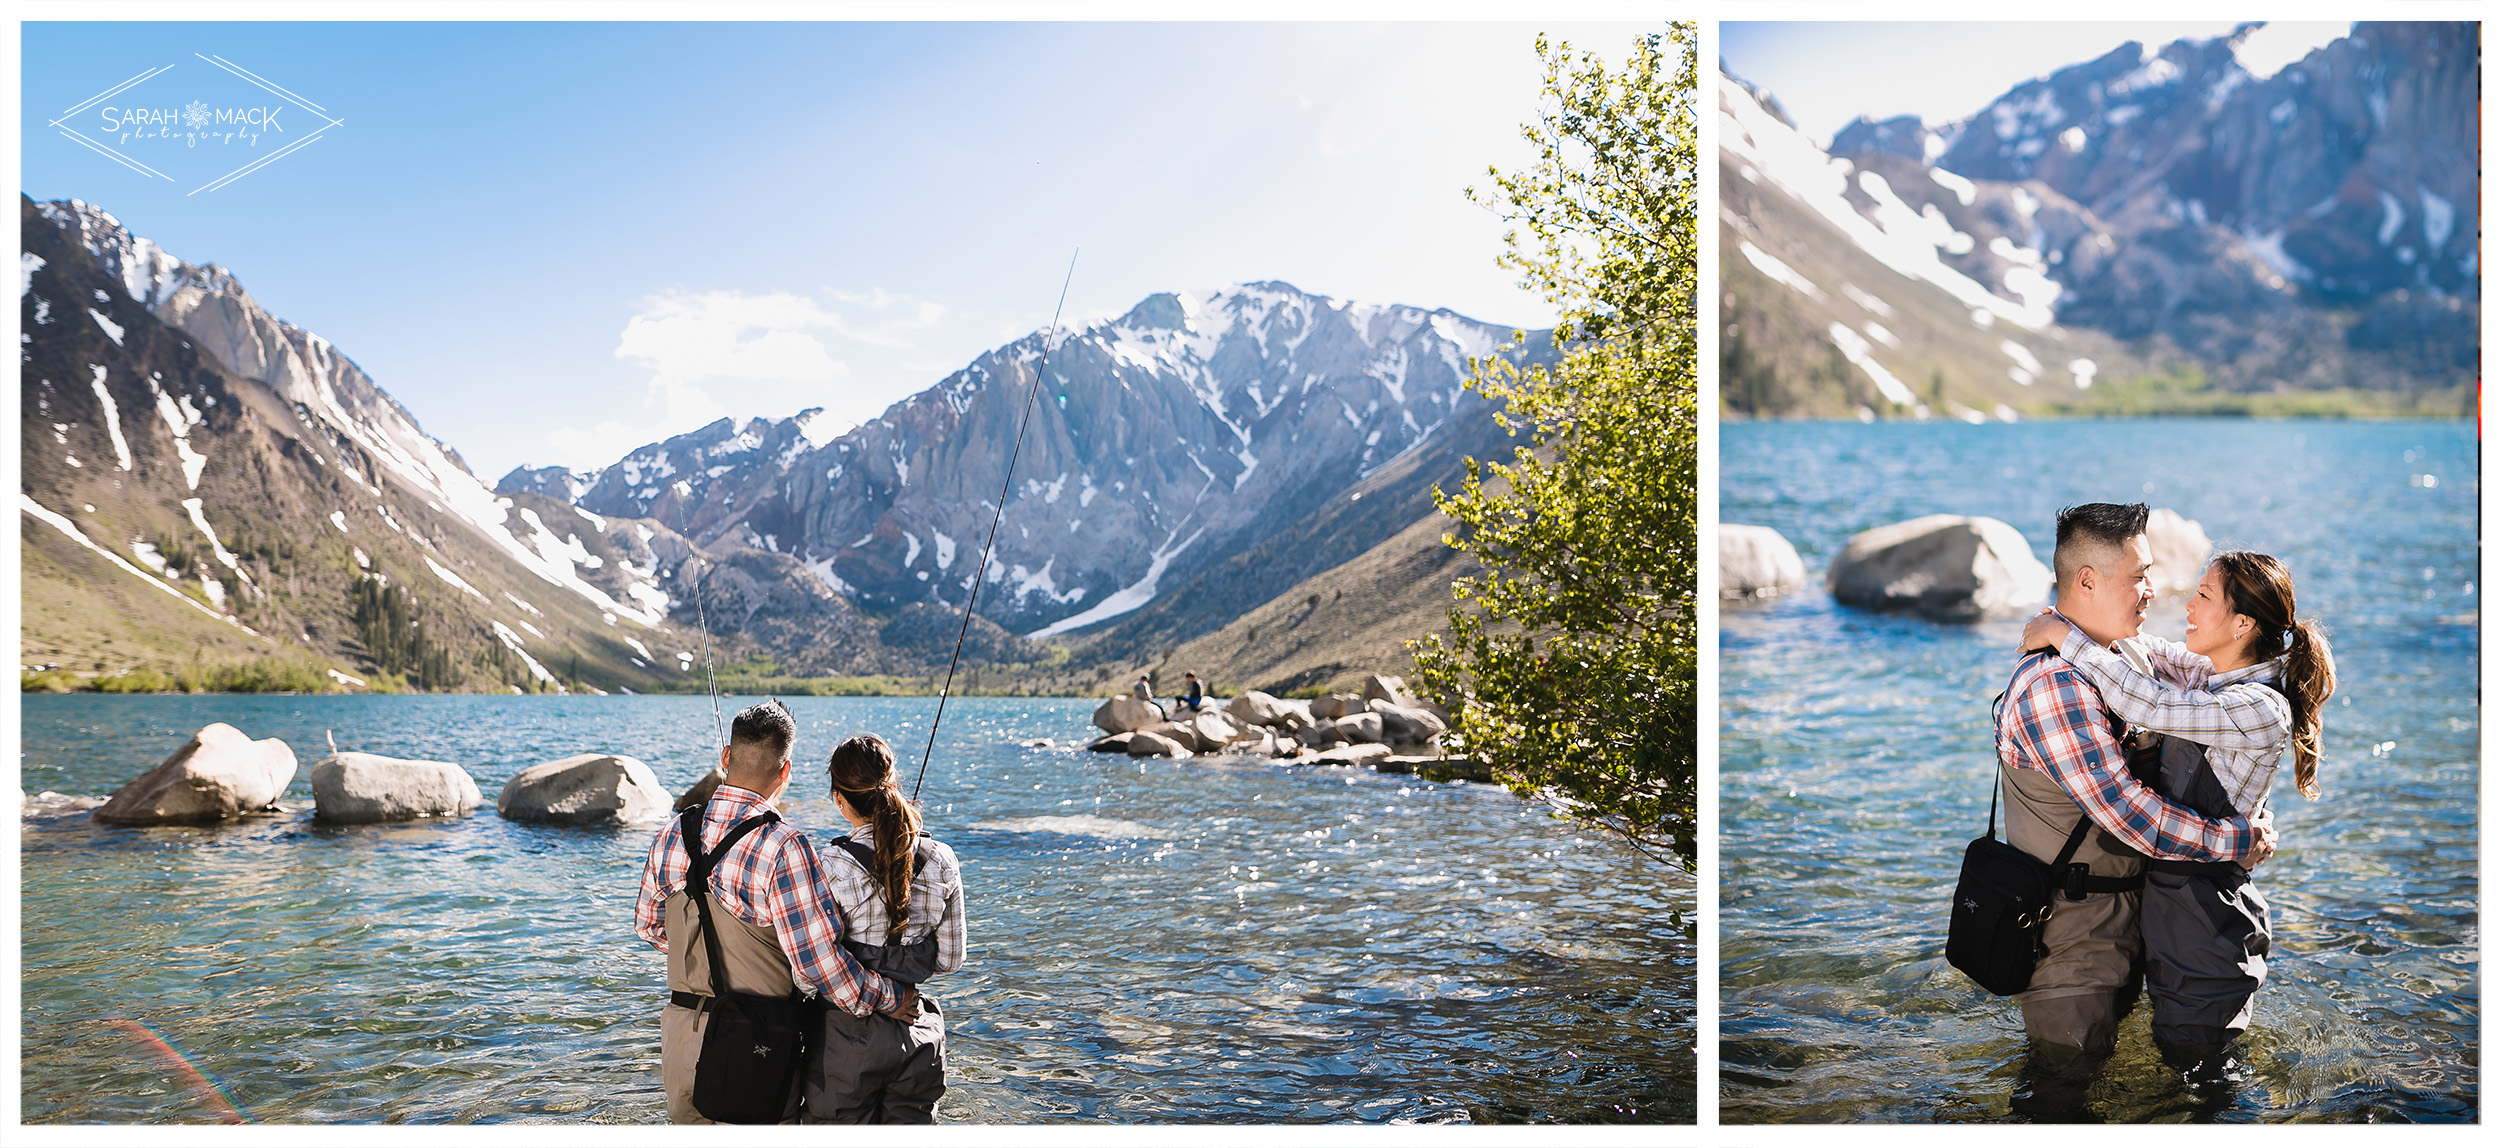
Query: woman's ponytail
x: 862, y: 770
x: 2259, y: 587
x: 2308, y: 681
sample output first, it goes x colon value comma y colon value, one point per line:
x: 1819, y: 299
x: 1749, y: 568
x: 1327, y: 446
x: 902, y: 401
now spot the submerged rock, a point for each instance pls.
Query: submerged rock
x: 1944, y: 566
x: 700, y: 792
x: 585, y: 789
x: 219, y: 773
x: 1756, y: 562
x: 1111, y: 743
x: 2180, y: 549
x: 1127, y: 715
x: 1143, y: 744
x: 363, y: 788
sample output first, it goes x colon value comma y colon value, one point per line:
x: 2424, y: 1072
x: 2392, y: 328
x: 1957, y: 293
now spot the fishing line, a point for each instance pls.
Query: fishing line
x: 711, y: 684
x: 1001, y: 512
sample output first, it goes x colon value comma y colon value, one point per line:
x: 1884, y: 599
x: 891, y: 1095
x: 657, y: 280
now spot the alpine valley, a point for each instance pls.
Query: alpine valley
x: 2153, y: 231
x: 1242, y: 475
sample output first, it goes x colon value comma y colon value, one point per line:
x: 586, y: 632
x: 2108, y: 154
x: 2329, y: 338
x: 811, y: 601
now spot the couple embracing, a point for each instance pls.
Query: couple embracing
x: 2169, y: 749
x: 850, y: 933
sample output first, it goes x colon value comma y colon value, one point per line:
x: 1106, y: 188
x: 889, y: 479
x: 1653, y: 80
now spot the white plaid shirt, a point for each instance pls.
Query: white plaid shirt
x: 2158, y: 684
x: 937, y: 898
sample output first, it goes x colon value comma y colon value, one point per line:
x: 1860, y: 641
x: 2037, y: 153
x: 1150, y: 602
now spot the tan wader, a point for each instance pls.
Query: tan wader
x: 2093, y: 944
x: 756, y: 965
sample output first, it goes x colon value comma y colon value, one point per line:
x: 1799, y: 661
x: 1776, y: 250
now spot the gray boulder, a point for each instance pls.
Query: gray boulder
x: 1408, y: 725
x: 1127, y: 714
x: 1261, y: 709
x: 1352, y: 755
x: 1111, y: 743
x: 363, y: 788
x: 1944, y: 566
x: 1755, y: 562
x: 585, y: 789
x: 1337, y: 706
x: 1212, y: 729
x: 1383, y: 688
x: 2180, y: 549
x: 219, y: 773
x: 700, y: 793
x: 1362, y: 727
x: 1144, y: 744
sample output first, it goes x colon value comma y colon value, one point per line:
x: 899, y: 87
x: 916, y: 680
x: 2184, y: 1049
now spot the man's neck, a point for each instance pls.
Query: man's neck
x: 2095, y: 636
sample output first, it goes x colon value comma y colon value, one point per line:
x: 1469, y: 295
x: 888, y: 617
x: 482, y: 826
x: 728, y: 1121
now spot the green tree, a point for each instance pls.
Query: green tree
x: 1572, y: 658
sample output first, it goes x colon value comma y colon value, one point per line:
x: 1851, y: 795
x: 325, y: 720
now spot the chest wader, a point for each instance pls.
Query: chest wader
x: 2207, y: 930
x: 746, y: 1021
x: 2088, y: 977
x: 876, y: 1069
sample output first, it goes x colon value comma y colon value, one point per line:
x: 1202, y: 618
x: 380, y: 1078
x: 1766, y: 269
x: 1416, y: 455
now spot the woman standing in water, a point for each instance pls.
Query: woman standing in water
x: 2251, y: 680
x: 902, y: 901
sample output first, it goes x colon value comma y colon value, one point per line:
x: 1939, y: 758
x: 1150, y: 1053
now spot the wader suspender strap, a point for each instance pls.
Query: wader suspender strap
x: 2075, y: 881
x: 867, y: 857
x: 699, y: 865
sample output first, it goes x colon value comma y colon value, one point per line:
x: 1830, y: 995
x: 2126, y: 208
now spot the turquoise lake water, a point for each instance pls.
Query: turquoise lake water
x: 1855, y: 763
x: 1202, y: 940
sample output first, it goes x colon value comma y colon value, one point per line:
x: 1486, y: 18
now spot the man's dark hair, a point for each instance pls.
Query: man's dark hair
x: 767, y: 725
x: 2095, y: 526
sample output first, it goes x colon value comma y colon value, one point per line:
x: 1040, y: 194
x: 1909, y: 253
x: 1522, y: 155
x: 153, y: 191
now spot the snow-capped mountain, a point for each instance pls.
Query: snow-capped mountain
x: 2142, y: 212
x: 197, y: 474
x: 1163, y: 442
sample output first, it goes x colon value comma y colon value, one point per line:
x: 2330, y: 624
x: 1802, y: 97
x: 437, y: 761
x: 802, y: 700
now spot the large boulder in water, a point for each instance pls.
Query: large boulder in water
x: 1362, y: 727
x: 218, y: 774
x: 1155, y: 745
x: 2180, y: 549
x: 1756, y: 562
x: 585, y: 789
x: 1337, y: 706
x: 1945, y: 566
x: 1384, y: 688
x: 1213, y: 730
x: 1260, y: 709
x: 1408, y: 725
x: 1127, y: 715
x: 362, y: 788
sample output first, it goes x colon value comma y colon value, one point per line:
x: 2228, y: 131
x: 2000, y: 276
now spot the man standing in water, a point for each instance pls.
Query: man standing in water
x: 778, y: 922
x: 2063, y: 760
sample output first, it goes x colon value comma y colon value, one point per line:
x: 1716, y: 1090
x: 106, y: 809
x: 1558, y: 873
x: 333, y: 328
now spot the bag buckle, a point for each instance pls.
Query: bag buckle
x: 2077, y: 874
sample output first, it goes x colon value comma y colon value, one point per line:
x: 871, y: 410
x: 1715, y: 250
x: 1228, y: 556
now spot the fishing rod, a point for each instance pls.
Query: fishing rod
x: 1005, y: 485
x: 711, y: 684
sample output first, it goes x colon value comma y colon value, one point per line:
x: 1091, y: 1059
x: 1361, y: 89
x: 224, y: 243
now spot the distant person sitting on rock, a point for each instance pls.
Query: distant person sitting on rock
x: 1142, y: 690
x: 1192, y: 695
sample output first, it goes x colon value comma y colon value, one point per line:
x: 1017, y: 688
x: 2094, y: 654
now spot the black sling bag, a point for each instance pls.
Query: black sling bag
x: 753, y: 1044
x: 2005, y: 897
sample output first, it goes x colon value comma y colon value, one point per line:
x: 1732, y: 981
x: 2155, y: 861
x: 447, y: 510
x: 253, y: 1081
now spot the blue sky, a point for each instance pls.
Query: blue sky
x: 555, y: 242
x: 1829, y: 72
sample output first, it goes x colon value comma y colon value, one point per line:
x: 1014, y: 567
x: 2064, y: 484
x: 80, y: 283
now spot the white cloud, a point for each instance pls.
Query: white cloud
x: 731, y: 335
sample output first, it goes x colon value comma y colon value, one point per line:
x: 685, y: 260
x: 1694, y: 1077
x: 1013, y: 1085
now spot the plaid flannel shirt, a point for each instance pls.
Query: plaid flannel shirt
x: 771, y: 880
x: 2238, y: 717
x: 2054, y: 721
x: 936, y: 905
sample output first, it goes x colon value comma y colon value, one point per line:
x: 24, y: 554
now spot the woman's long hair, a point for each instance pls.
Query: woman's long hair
x: 862, y: 770
x: 2258, y: 586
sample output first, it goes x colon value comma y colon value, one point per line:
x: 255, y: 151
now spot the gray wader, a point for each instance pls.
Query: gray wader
x: 756, y: 965
x: 2086, y: 982
x: 2206, y: 928
x: 875, y: 1069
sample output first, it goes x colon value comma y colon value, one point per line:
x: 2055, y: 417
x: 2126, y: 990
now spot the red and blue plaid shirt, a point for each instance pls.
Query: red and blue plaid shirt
x: 2054, y: 721
x: 773, y: 880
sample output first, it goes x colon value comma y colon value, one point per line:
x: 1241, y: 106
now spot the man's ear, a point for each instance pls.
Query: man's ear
x: 2087, y: 580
